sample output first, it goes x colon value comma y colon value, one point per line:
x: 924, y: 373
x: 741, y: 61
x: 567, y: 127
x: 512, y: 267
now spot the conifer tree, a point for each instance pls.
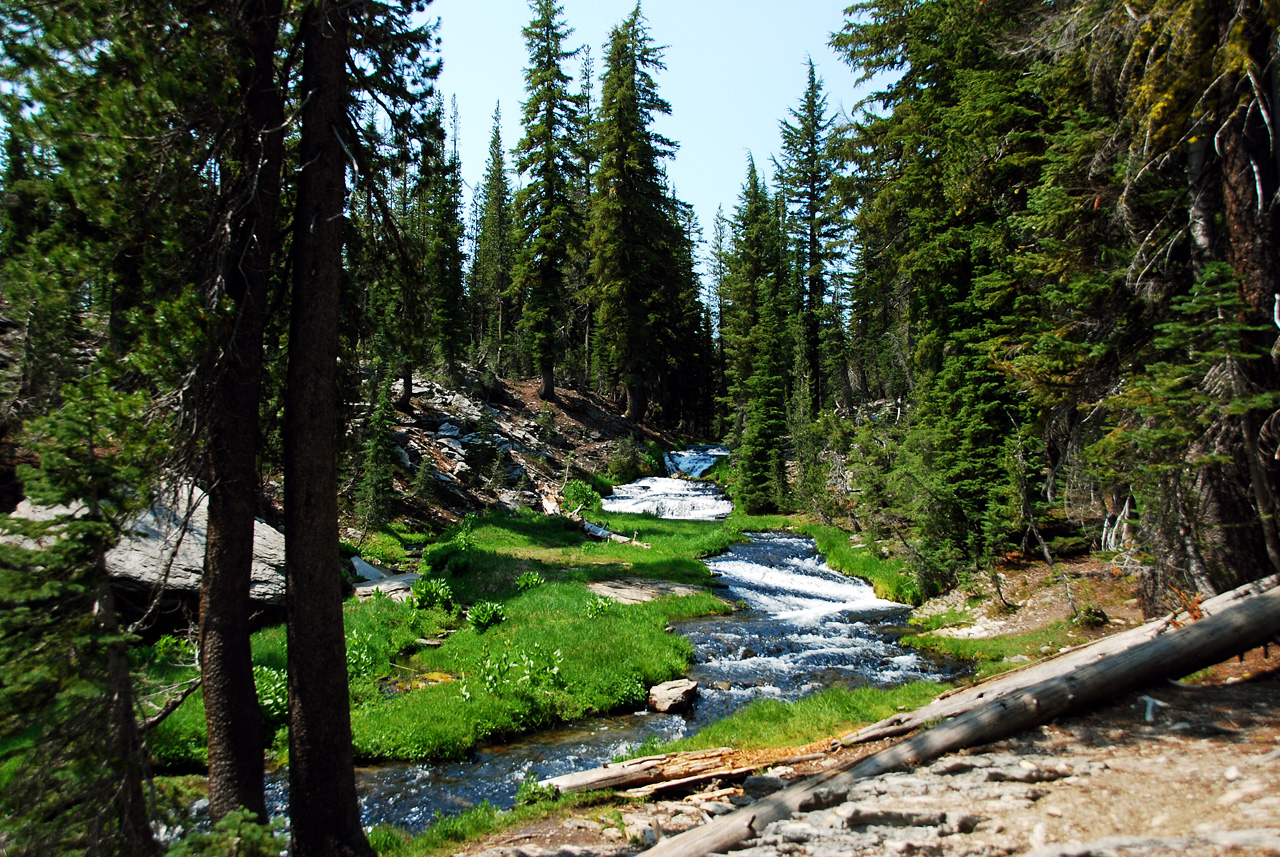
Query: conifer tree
x: 805, y: 175
x: 548, y: 220
x: 489, y: 278
x: 634, y: 230
x: 761, y: 457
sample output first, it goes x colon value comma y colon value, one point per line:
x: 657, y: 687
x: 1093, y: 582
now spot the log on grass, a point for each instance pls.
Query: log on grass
x: 963, y: 699
x: 1244, y: 625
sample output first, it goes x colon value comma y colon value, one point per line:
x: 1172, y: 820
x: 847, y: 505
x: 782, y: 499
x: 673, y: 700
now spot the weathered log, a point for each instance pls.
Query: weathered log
x: 600, y: 532
x: 963, y: 699
x: 639, y: 772
x: 1244, y: 625
x: 688, y: 782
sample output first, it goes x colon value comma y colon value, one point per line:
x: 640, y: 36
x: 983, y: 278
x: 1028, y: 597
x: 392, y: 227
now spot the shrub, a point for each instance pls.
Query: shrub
x: 237, y: 833
x: 485, y: 614
x: 530, y: 580
x: 578, y: 494
x: 273, y: 695
x: 431, y: 592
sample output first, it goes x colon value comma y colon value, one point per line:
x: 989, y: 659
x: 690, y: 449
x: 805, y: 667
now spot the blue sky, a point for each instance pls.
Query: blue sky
x: 734, y: 67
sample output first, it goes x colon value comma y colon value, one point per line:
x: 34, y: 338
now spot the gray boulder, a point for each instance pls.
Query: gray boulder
x: 163, y: 550
x: 673, y: 696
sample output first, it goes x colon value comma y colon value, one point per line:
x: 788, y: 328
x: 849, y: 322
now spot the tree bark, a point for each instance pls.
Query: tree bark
x: 547, y: 386
x: 637, y: 401
x: 323, y: 805
x: 230, y: 699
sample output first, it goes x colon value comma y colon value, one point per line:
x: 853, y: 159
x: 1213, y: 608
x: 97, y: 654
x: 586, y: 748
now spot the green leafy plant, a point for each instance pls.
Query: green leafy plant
x: 431, y: 592
x: 485, y: 614
x: 237, y: 834
x: 531, y: 791
x: 579, y: 495
x: 529, y: 580
x: 599, y: 607
x: 273, y: 694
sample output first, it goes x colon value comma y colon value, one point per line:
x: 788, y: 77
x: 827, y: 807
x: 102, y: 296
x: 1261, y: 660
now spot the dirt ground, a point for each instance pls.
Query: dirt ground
x: 1171, y: 769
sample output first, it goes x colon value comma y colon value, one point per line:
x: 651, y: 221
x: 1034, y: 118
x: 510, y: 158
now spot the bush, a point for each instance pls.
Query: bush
x: 632, y: 460
x: 273, y: 695
x: 485, y: 614
x: 579, y: 495
x: 530, y: 580
x: 238, y: 834
x: 431, y: 592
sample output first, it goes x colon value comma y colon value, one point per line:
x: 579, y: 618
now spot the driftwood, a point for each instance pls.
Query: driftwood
x: 1245, y: 624
x: 599, y: 532
x: 963, y: 699
x: 648, y: 770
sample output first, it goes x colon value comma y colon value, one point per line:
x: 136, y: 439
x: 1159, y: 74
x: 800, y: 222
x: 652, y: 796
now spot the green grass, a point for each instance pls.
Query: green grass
x: 550, y: 661
x: 772, y: 723
x: 888, y: 576
x: 989, y: 655
x: 444, y: 836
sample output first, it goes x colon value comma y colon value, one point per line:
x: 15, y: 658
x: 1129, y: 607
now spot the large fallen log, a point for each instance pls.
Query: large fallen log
x: 963, y: 699
x: 1244, y: 625
x: 643, y: 771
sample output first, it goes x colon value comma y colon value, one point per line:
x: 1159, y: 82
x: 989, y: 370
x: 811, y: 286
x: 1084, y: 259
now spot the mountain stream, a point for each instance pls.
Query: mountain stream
x: 804, y: 627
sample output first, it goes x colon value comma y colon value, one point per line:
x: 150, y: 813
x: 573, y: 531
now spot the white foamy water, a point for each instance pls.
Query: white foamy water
x: 694, y: 461
x: 670, y: 498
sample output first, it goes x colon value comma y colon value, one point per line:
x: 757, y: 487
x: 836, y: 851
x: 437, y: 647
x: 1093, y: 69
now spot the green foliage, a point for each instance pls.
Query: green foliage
x: 485, y: 614
x: 579, y: 495
x: 237, y: 834
x: 273, y: 695
x: 599, y: 607
x: 529, y: 580
x: 511, y: 678
x: 631, y: 460
x: 990, y: 655
x: 429, y: 592
x: 530, y: 792
x: 773, y: 723
x: 374, y: 487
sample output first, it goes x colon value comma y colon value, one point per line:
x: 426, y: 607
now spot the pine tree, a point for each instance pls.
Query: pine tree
x: 634, y: 233
x: 548, y: 220
x: 761, y: 484
x: 805, y: 175
x: 489, y: 280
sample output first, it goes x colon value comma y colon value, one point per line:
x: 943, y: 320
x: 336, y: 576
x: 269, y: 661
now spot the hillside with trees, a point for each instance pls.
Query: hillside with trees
x: 1022, y: 303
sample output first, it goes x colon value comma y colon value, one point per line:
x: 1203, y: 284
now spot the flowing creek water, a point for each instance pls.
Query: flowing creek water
x: 804, y: 627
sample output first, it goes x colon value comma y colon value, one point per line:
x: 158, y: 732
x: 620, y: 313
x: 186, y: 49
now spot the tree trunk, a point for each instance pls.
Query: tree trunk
x: 637, y: 401
x: 323, y: 805
x: 230, y: 699
x: 547, y: 386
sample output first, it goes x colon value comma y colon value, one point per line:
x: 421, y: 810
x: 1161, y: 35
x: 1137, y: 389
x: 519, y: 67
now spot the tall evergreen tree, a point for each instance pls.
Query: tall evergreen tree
x: 634, y: 230
x: 489, y: 278
x: 548, y: 220
x: 805, y: 174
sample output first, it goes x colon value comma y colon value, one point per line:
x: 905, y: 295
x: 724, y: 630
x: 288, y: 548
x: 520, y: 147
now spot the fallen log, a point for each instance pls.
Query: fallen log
x: 599, y: 532
x: 641, y: 772
x: 960, y: 700
x: 689, y: 782
x: 1243, y: 625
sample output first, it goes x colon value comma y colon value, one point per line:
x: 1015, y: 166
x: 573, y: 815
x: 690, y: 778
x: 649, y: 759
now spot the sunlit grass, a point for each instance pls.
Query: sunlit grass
x: 768, y: 723
x: 990, y: 655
